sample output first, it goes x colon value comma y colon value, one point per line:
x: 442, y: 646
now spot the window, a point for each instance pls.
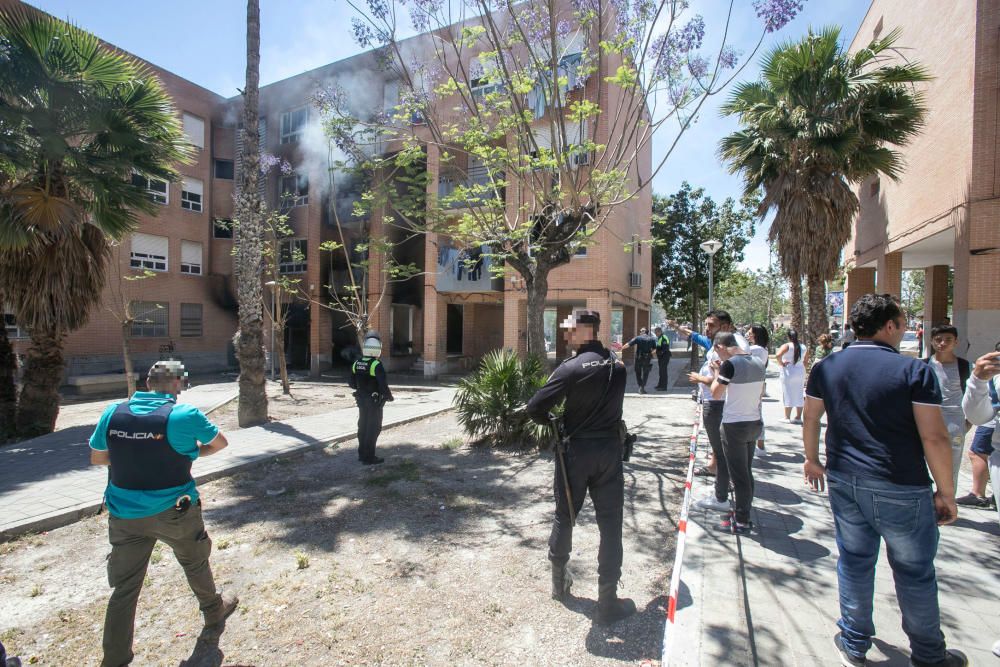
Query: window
x: 191, y: 191
x: 191, y: 257
x: 191, y: 319
x: 155, y: 189
x: 874, y: 188
x: 150, y: 319
x: 194, y: 130
x: 294, y: 191
x: 292, y: 256
x: 292, y: 125
x: 10, y: 325
x: 225, y: 169
x: 222, y: 228
x: 401, y: 329
x: 149, y: 252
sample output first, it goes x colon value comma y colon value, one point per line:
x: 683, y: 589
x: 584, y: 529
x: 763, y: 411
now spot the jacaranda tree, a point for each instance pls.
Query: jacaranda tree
x: 544, y: 113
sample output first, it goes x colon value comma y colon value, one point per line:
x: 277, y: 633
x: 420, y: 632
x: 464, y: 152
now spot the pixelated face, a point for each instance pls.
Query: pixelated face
x: 168, y: 377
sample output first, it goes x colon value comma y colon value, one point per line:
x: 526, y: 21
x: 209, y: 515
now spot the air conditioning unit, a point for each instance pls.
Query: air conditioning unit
x: 634, y: 280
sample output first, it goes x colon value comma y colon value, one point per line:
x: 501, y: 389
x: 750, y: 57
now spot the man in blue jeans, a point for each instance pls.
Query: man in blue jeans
x: 884, y: 429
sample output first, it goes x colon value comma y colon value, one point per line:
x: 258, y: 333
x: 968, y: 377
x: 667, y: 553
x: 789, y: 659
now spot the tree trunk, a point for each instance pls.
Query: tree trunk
x: 127, y: 357
x: 249, y: 339
x: 8, y: 390
x: 795, y: 298
x: 819, y: 324
x: 38, y: 404
x: 280, y: 351
x: 538, y: 287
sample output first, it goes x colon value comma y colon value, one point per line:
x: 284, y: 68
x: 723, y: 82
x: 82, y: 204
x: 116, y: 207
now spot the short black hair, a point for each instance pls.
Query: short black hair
x: 944, y: 329
x: 722, y: 315
x: 872, y: 312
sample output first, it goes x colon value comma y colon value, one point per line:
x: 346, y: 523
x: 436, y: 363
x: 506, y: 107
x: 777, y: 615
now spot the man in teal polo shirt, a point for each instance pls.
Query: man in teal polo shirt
x: 149, y: 443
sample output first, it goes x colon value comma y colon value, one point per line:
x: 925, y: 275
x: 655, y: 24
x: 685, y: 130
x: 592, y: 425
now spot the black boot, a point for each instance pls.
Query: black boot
x: 611, y: 608
x: 562, y: 580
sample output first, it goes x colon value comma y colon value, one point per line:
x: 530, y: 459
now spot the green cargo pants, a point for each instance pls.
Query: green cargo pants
x: 132, y: 542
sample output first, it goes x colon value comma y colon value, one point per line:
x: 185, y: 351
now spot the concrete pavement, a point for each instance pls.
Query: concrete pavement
x: 771, y: 598
x: 48, y: 482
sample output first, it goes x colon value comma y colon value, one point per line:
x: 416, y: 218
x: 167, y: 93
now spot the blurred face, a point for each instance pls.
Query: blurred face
x: 712, y: 325
x: 172, y: 386
x: 579, y: 335
x: 944, y: 343
x: 658, y: 331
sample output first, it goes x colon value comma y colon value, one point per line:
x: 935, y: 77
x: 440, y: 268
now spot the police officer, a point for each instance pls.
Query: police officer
x: 644, y: 345
x: 371, y: 391
x: 592, y: 382
x: 149, y: 441
x: 662, y: 359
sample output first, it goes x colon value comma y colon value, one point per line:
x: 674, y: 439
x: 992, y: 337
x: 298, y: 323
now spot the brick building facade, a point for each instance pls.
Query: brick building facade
x: 441, y: 321
x: 943, y: 216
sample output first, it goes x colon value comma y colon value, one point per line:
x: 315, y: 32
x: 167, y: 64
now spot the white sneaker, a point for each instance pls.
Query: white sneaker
x: 996, y: 648
x: 710, y: 503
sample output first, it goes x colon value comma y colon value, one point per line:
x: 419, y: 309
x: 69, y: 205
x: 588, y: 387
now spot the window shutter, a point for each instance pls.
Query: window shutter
x: 192, y: 185
x: 149, y: 244
x: 194, y: 129
x: 191, y: 252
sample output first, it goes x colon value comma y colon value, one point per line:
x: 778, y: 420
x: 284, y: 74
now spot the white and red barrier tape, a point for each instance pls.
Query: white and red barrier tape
x: 675, y: 577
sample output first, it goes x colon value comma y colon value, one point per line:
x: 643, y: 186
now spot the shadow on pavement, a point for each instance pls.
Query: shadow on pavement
x: 37, y: 459
x: 633, y: 639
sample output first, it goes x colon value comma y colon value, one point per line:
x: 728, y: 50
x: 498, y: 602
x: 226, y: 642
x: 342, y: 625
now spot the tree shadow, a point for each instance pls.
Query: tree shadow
x: 29, y: 461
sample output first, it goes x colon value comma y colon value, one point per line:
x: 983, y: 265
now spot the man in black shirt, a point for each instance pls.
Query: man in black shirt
x: 644, y: 345
x: 592, y: 382
x: 662, y: 359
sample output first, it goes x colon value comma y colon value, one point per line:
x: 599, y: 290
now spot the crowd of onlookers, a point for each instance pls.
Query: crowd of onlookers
x: 896, y: 428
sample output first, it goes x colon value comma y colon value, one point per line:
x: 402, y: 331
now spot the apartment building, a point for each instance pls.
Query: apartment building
x: 943, y: 215
x: 441, y: 321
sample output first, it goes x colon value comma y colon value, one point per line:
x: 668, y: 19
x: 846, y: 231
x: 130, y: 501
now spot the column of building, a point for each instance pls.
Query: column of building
x: 435, y: 348
x: 889, y: 274
x: 860, y: 281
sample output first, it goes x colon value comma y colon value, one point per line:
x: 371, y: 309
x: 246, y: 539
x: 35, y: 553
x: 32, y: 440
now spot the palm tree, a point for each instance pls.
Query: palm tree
x: 249, y: 339
x: 77, y: 120
x: 818, y: 121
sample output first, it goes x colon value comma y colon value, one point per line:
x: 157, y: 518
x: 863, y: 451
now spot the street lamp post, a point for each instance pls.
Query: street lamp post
x: 711, y: 247
x: 272, y: 284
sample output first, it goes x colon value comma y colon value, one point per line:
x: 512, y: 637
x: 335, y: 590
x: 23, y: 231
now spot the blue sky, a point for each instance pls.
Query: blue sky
x: 204, y: 41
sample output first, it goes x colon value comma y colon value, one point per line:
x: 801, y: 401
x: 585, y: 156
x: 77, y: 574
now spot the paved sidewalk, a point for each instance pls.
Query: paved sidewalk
x: 771, y: 598
x: 48, y: 482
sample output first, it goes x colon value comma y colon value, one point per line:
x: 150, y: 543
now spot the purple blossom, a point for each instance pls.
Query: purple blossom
x: 776, y: 13
x: 378, y: 8
x: 268, y: 162
x: 698, y: 66
x: 729, y: 57
x: 689, y: 37
x: 363, y: 34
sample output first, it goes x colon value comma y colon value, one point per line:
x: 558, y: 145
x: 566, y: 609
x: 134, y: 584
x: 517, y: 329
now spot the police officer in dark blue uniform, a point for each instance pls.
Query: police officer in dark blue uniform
x: 592, y: 382
x: 662, y: 359
x: 150, y: 442
x: 644, y: 345
x: 371, y: 391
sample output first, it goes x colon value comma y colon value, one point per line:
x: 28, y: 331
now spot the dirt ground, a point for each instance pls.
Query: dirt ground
x: 436, y: 557
x: 307, y: 398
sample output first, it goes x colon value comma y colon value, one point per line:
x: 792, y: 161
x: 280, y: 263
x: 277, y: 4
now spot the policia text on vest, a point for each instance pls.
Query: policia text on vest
x: 149, y: 442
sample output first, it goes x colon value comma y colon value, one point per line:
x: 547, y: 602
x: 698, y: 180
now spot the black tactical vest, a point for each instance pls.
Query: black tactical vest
x: 141, y: 457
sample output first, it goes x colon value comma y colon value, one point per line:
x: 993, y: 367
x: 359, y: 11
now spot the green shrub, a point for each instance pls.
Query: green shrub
x: 779, y: 338
x: 490, y: 402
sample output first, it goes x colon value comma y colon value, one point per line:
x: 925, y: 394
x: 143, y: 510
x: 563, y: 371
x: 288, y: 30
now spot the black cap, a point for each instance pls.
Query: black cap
x: 581, y: 317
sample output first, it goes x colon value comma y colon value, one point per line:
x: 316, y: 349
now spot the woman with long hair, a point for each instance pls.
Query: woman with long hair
x: 793, y: 357
x: 759, y: 340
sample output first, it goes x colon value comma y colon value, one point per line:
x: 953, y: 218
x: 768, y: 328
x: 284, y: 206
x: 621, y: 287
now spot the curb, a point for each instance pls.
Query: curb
x: 64, y: 517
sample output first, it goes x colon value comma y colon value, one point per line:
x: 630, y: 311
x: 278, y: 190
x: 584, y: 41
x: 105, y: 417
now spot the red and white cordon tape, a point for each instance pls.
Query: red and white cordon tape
x: 675, y: 577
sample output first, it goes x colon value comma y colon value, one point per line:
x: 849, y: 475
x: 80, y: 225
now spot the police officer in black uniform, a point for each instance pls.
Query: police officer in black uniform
x: 644, y: 345
x: 371, y: 391
x: 662, y: 359
x: 592, y: 382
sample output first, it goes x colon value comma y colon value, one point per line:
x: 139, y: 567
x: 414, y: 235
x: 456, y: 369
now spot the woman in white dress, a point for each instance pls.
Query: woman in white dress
x: 793, y: 358
x: 759, y: 339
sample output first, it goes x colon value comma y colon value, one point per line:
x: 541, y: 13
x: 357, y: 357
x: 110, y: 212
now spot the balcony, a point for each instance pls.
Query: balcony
x: 451, y: 184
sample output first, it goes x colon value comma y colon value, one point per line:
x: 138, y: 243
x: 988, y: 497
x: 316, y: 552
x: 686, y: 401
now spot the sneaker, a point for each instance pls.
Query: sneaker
x: 710, y: 503
x: 848, y: 659
x: 953, y: 658
x: 978, y: 502
x: 704, y: 471
x: 375, y: 460
x: 741, y: 528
